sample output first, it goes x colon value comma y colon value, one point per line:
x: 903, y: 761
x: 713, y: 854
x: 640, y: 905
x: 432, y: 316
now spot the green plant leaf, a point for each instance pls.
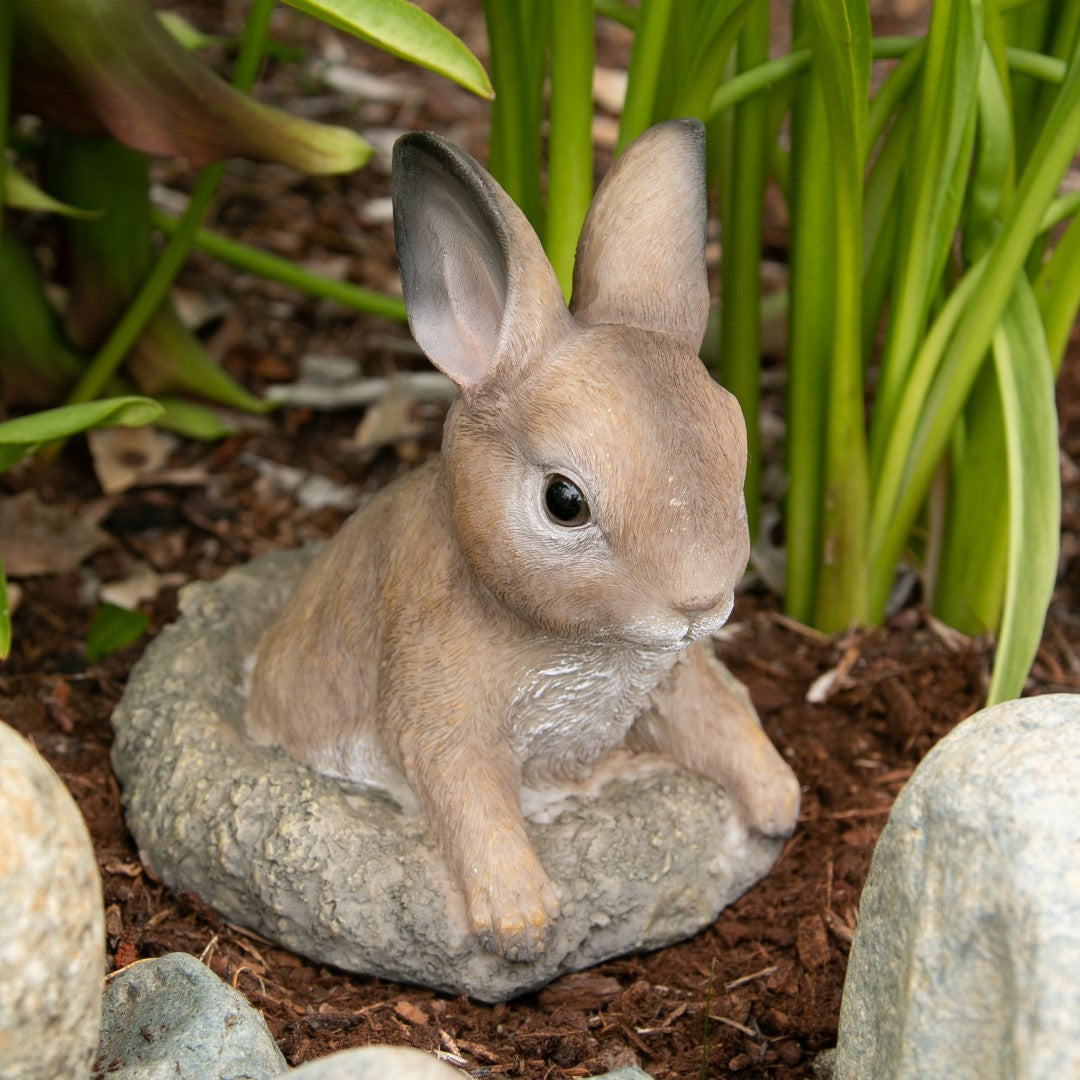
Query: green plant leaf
x: 932, y: 196
x: 37, y: 364
x: 113, y: 628
x: 404, y: 30
x: 570, y: 153
x: 112, y: 67
x: 839, y: 36
x: 191, y: 420
x: 189, y: 36
x: 956, y: 345
x: 25, y: 434
x: 5, y: 615
x: 1026, y: 381
x: 23, y: 194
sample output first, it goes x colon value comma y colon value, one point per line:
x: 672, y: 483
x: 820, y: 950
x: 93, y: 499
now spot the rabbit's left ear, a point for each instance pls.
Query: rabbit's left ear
x: 641, y: 257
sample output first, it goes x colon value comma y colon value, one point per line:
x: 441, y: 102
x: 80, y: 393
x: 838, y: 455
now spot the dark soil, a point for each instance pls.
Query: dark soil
x: 757, y: 993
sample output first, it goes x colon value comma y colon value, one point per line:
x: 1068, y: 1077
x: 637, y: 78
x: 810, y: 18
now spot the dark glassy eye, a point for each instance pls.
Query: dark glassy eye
x: 565, y: 503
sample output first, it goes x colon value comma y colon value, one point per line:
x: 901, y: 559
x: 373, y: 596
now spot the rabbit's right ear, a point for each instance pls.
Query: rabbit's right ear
x: 478, y: 287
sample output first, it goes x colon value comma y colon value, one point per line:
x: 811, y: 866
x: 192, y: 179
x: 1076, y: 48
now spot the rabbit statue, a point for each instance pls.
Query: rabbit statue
x: 544, y: 590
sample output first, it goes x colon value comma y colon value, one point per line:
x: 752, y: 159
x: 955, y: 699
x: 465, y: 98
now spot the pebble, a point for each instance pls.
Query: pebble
x: 52, y: 924
x: 172, y: 1016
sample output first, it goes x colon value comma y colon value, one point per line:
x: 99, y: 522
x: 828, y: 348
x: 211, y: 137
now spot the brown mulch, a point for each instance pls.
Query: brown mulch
x: 757, y: 994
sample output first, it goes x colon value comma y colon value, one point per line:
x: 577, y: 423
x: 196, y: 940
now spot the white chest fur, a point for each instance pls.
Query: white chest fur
x: 576, y: 706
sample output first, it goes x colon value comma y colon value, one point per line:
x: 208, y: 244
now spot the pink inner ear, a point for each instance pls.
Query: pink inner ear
x: 475, y: 315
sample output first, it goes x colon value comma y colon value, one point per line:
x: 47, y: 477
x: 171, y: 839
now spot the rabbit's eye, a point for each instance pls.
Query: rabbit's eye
x: 565, y: 503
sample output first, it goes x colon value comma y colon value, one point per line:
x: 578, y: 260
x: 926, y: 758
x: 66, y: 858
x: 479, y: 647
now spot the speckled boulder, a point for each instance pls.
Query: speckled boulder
x: 52, y: 925
x: 966, y: 962
x: 172, y: 1016
x: 347, y: 877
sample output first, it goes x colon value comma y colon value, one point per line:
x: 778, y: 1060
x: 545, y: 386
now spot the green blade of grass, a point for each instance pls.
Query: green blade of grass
x: 1026, y: 381
x: 839, y: 34
x: 275, y: 268
x: 5, y: 615
x: 518, y: 34
x: 1057, y: 289
x: 740, y: 328
x: 719, y: 26
x: 570, y: 152
x: 968, y: 586
x: 934, y: 188
x: 881, y: 223
x: 954, y: 350
x: 646, y: 68
x: 811, y: 259
x: 404, y: 30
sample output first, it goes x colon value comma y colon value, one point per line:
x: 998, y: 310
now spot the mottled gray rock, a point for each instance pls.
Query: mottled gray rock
x: 173, y: 1017
x: 966, y: 963
x: 52, y: 926
x: 344, y: 875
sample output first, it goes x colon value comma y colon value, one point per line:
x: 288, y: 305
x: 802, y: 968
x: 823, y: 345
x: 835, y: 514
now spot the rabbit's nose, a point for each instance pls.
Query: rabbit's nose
x: 701, y: 605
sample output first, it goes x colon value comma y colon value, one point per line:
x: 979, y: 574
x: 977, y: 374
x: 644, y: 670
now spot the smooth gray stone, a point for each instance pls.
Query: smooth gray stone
x: 52, y: 925
x: 400, y: 1063
x: 343, y: 875
x: 173, y: 1017
x: 377, y: 1063
x: 966, y: 962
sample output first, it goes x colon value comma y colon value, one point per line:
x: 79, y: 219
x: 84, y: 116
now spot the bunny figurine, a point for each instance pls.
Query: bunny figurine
x: 544, y: 590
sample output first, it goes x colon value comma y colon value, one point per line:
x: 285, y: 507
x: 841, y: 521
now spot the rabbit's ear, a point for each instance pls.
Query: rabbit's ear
x: 478, y: 287
x: 641, y: 256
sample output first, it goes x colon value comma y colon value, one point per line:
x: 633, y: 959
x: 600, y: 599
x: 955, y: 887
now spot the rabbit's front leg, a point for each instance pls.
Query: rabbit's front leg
x: 703, y: 719
x: 471, y: 797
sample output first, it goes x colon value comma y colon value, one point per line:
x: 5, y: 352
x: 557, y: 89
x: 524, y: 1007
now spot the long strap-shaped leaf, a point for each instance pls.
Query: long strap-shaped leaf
x: 953, y: 352
x: 934, y: 188
x: 1026, y: 383
x: 839, y: 36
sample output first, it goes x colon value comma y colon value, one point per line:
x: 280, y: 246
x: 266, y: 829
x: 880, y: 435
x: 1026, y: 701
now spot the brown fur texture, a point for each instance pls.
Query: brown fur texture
x: 458, y: 635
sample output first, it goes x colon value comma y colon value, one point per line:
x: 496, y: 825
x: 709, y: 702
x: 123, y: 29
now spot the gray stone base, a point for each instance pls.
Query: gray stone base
x: 345, y: 876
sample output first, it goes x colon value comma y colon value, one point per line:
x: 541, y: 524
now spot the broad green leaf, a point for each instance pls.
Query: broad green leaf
x: 404, y: 30
x: 23, y: 194
x: 1026, y: 382
x: 113, y: 628
x: 5, y: 616
x: 25, y: 434
x: 82, y: 66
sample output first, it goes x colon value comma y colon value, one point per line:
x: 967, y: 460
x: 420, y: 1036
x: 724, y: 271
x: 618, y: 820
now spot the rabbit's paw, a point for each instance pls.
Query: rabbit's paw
x: 770, y: 803
x: 511, y: 908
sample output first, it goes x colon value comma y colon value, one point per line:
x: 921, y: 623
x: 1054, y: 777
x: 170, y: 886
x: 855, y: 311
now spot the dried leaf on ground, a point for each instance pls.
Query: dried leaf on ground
x: 40, y: 539
x: 123, y: 456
